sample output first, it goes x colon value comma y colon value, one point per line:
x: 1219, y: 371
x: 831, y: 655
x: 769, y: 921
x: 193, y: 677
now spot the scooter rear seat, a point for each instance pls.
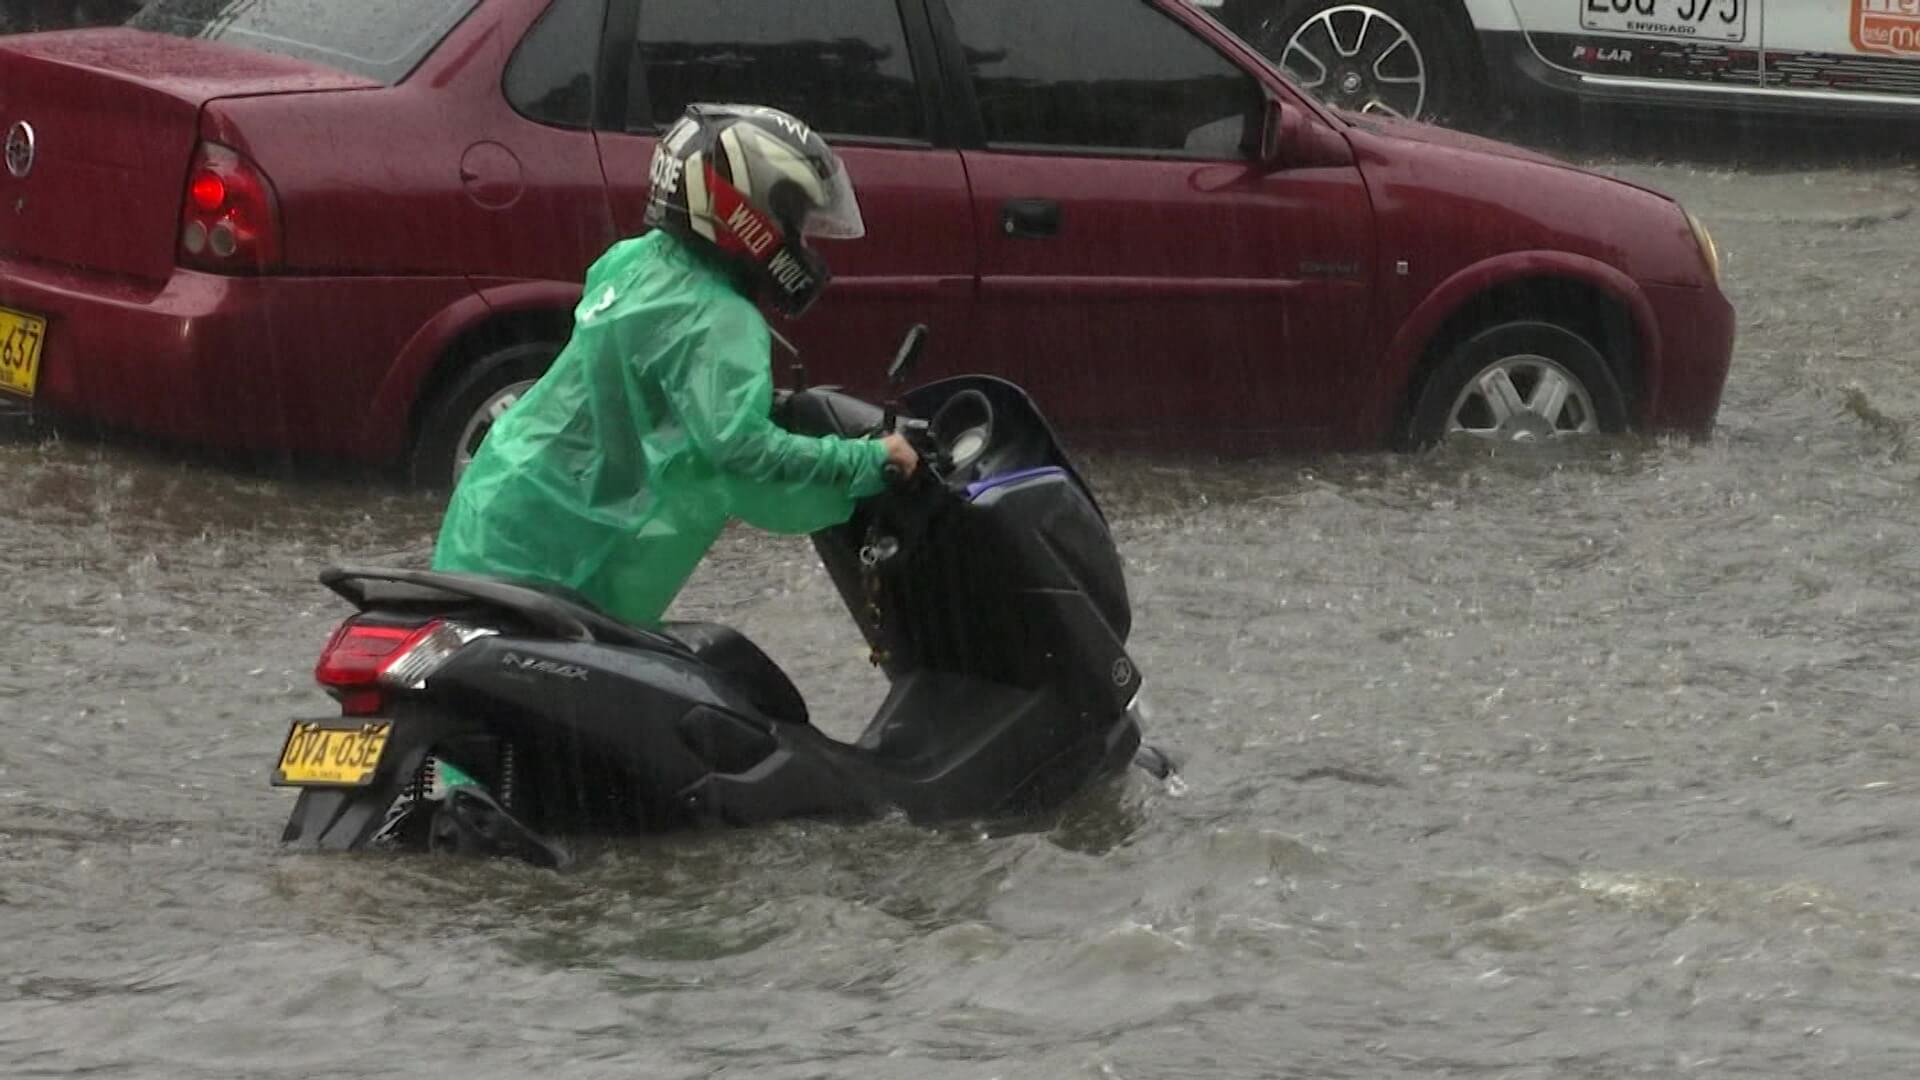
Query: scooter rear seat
x: 566, y: 611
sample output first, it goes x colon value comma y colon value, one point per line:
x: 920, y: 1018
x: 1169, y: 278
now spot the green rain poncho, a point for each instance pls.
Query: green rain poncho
x: 617, y: 471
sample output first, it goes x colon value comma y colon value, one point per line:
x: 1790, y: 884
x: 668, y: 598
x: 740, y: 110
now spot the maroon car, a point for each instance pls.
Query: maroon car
x: 358, y: 228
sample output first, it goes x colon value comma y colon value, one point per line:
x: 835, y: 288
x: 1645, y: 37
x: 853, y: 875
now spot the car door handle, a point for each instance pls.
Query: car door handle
x: 1030, y: 217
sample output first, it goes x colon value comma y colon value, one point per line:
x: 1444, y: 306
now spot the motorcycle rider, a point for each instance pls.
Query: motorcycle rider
x: 616, y: 472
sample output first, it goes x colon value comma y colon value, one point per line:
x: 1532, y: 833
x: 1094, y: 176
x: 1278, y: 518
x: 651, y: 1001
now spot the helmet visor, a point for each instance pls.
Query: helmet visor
x: 838, y: 215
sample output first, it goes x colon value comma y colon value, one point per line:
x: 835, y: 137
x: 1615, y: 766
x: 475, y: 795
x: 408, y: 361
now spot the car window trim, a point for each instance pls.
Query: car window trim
x: 1120, y: 152
x: 962, y: 111
x: 620, y: 51
x: 876, y: 142
x: 617, y: 43
x: 924, y: 56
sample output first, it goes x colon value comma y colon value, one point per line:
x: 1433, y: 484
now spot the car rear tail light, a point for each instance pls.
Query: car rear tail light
x: 231, y: 223
x: 363, y: 661
x: 209, y: 192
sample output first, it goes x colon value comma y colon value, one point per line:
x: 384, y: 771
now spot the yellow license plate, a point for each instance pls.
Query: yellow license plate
x: 21, y: 336
x: 332, y: 753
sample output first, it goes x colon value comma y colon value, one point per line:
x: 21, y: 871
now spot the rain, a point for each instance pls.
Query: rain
x: 1539, y: 694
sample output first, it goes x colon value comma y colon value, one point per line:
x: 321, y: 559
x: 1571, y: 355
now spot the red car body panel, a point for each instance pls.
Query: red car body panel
x: 1418, y: 326
x: 115, y: 113
x: 259, y: 364
x: 1292, y: 304
x: 1698, y: 325
x: 1174, y: 296
x: 1464, y: 222
x: 387, y: 423
x: 437, y: 175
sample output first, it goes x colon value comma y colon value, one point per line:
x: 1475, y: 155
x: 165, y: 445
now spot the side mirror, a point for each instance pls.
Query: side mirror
x: 908, y: 357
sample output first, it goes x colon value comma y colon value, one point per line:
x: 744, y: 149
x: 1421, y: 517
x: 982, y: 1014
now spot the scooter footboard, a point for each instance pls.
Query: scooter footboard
x: 950, y: 746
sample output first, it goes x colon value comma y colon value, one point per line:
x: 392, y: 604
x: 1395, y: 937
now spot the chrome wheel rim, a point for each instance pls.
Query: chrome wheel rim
x: 482, y: 421
x: 1523, y: 399
x: 1358, y: 58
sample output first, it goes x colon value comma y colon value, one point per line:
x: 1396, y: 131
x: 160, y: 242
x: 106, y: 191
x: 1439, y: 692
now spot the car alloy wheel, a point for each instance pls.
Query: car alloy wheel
x: 1527, y: 380
x: 1523, y: 399
x: 458, y: 412
x: 1359, y: 58
x: 482, y: 421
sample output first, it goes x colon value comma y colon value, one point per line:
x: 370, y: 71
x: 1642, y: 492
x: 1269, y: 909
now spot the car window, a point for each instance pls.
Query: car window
x: 1114, y: 75
x: 840, y: 65
x: 550, y: 78
x: 378, y: 39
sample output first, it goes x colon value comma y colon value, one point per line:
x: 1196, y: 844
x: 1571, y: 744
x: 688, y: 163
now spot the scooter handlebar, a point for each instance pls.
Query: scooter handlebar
x: 919, y: 436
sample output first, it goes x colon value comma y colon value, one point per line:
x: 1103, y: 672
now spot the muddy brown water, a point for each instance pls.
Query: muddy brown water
x: 1573, y: 762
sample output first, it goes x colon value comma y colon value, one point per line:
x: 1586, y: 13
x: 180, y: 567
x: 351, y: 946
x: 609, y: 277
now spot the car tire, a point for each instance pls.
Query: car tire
x: 455, y: 422
x: 1393, y: 39
x: 1465, y: 395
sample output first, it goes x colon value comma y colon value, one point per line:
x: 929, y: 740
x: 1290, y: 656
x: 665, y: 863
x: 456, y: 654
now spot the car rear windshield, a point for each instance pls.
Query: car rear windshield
x: 378, y: 39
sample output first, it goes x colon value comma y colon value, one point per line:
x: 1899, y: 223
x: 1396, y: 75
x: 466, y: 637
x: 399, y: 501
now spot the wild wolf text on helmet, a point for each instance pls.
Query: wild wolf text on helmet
x: 754, y: 183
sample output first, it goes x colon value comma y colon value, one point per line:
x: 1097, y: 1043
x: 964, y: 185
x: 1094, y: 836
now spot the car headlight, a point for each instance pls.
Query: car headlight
x: 1708, y: 249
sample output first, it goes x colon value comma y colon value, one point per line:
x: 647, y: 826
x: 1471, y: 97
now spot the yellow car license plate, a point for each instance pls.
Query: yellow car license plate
x: 21, y: 336
x: 332, y: 753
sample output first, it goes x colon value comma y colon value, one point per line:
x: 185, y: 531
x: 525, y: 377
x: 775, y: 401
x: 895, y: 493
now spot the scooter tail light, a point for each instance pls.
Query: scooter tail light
x: 355, y: 653
x: 427, y: 651
x: 362, y: 657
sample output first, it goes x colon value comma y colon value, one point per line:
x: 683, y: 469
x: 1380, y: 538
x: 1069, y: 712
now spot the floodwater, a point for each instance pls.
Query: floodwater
x: 1593, y: 761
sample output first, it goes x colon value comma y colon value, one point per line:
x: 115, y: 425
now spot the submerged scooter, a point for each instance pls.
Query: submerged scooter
x: 488, y: 716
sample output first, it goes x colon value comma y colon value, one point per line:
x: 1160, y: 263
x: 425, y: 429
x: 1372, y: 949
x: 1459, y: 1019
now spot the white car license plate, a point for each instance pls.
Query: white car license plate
x: 1702, y: 20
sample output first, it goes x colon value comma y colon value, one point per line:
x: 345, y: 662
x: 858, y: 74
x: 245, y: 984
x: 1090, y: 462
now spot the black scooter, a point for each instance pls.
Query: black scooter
x: 487, y: 716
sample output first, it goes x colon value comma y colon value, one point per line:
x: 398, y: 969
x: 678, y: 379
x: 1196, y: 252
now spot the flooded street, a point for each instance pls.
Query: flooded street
x: 1568, y: 762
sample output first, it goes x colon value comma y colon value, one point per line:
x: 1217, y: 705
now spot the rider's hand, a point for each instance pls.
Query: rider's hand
x: 901, y: 453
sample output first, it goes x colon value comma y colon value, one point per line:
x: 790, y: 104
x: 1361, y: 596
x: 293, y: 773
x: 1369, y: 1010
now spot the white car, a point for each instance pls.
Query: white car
x: 1447, y: 59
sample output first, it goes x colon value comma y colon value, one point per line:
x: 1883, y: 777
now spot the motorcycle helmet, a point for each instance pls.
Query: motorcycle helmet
x: 754, y: 183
